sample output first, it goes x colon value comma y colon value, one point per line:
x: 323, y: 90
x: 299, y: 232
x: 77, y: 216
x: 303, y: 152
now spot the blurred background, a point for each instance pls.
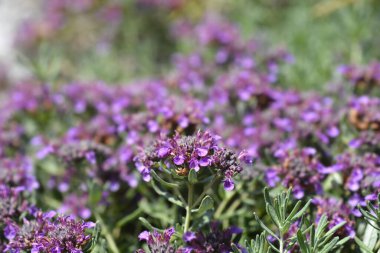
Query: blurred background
x: 123, y: 40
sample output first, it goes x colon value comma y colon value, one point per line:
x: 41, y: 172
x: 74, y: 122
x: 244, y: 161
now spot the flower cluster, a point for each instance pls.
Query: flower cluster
x: 217, y: 240
x: 200, y: 153
x: 361, y: 177
x: 84, y: 148
x: 157, y: 242
x: 364, y: 78
x: 44, y: 233
x: 299, y: 169
x: 364, y: 113
x: 336, y: 212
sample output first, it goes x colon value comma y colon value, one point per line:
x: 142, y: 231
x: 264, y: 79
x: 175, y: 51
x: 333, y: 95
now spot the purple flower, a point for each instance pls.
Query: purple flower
x: 336, y: 212
x: 205, y: 161
x: 144, y: 236
x: 202, y: 151
x: 360, y: 175
x: 158, y: 242
x: 189, y: 236
x: 229, y: 184
x: 191, y: 152
x: 10, y: 231
x: 179, y: 160
x: 364, y: 78
x: 300, y: 169
x: 163, y: 151
x: 217, y: 240
x: 48, y: 234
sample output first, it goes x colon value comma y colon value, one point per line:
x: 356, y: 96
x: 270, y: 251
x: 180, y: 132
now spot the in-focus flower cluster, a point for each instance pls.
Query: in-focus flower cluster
x: 200, y: 153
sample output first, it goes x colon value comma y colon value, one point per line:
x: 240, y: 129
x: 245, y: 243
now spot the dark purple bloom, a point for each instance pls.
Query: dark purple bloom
x: 158, y: 242
x: 360, y: 174
x: 44, y: 233
x: 336, y: 212
x: 300, y: 169
x: 189, y: 236
x: 216, y: 240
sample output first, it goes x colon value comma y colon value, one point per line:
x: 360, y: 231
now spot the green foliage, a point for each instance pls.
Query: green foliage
x: 257, y: 245
x: 321, y: 238
x: 277, y: 210
x: 310, y: 238
x: 319, y: 42
x: 371, y: 214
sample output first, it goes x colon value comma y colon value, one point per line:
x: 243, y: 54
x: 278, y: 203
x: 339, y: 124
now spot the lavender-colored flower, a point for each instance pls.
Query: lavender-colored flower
x: 364, y: 78
x: 12, y: 203
x: 299, y: 169
x: 336, y: 212
x: 364, y: 113
x: 182, y: 153
x: 217, y: 240
x: 75, y: 206
x: 18, y: 172
x: 44, y: 233
x: 171, y: 114
x: 158, y: 242
x: 361, y: 176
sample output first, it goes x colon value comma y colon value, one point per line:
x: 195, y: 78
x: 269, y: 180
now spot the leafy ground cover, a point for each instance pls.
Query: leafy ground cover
x: 191, y: 127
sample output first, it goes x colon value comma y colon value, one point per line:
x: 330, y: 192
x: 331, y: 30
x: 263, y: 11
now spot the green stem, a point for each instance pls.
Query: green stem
x: 281, y: 243
x: 107, y: 234
x: 129, y: 217
x: 188, y: 207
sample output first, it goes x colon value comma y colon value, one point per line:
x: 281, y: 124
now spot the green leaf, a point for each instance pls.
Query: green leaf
x: 370, y: 237
x: 128, y: 218
x: 328, y: 247
x: 301, y: 242
x: 294, y: 210
x: 167, y: 195
x: 301, y: 212
x: 262, y: 225
x: 163, y: 182
x: 192, y: 177
x: 272, y: 213
x: 366, y: 214
x: 362, y: 246
x: 148, y: 225
x: 335, y: 228
x: 207, y: 203
x: 235, y: 249
x: 267, y: 197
